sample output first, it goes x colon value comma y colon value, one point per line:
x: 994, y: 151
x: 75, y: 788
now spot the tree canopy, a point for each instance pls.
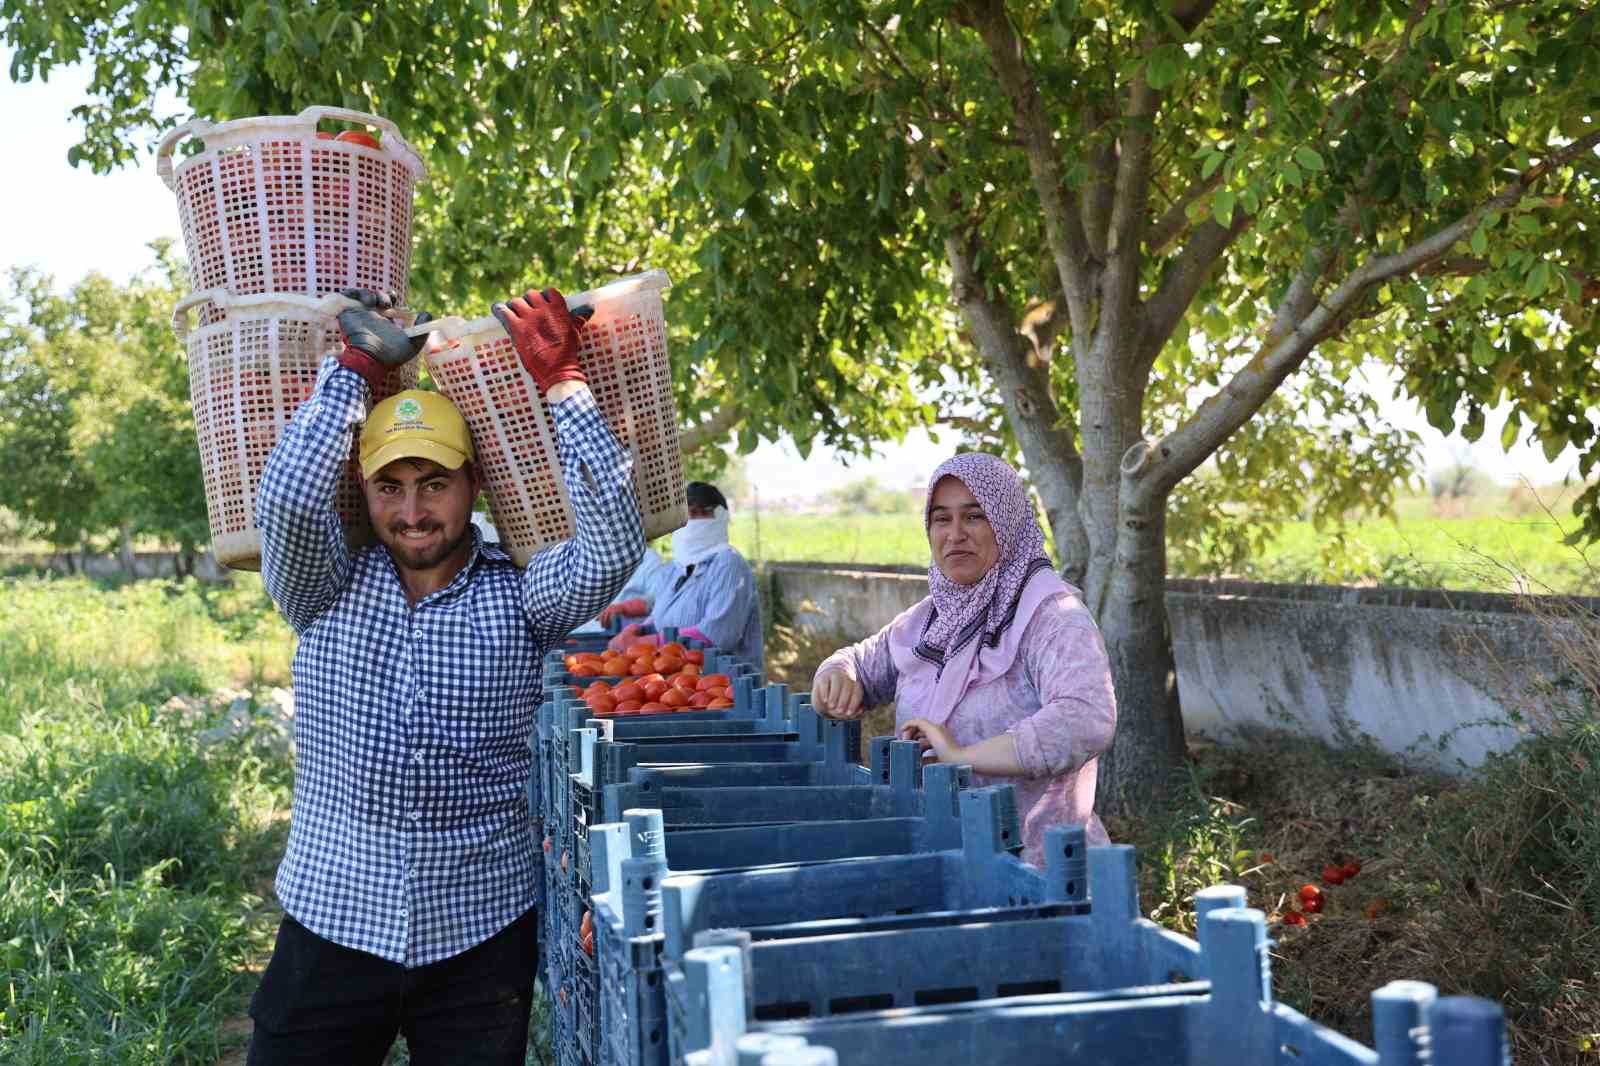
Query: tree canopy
x: 94, y: 410
x: 1162, y: 237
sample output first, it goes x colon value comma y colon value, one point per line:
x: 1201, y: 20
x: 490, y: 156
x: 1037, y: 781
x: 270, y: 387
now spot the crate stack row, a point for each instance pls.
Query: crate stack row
x: 737, y: 887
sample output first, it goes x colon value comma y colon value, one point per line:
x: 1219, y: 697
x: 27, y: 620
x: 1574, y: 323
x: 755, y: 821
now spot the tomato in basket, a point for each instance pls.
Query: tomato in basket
x: 358, y: 137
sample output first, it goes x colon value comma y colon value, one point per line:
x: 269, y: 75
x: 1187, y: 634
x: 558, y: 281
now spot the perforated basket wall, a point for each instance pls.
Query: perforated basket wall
x: 248, y: 372
x: 268, y: 206
x: 624, y: 355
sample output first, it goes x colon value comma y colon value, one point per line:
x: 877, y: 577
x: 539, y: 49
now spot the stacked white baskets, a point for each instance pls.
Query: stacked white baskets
x: 277, y: 218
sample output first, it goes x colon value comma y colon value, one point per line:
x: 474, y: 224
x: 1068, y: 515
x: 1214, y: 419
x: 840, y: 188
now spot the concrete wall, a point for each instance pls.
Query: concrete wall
x: 145, y: 564
x: 1427, y: 674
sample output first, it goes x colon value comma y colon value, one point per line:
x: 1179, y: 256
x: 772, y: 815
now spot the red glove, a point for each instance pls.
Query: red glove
x: 630, y: 636
x: 634, y: 608
x: 545, y: 335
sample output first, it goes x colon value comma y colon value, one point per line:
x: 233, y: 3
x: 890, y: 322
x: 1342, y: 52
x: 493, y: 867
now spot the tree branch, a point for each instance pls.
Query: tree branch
x: 1156, y: 469
x: 1063, y: 226
x: 1170, y: 226
x: 1183, y: 279
x: 711, y: 430
x: 1048, y: 446
x: 1120, y: 282
x: 1102, y: 190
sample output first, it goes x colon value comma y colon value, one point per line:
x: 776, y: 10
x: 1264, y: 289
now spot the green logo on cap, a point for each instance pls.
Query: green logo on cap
x: 408, y: 410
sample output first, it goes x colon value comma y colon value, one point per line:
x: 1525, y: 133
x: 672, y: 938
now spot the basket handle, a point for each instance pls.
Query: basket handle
x: 196, y: 127
x: 327, y: 306
x: 319, y: 112
x: 180, y: 313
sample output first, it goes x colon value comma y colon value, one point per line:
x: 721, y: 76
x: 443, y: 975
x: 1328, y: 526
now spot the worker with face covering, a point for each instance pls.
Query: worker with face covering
x: 708, y: 591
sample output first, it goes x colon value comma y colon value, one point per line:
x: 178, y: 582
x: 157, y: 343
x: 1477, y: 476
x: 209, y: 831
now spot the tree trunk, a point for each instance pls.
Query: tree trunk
x: 1110, y: 407
x: 125, y: 549
x: 1054, y: 464
x: 1137, y: 773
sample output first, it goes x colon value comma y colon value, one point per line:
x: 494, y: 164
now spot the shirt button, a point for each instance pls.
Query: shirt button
x: 417, y: 758
x: 416, y: 816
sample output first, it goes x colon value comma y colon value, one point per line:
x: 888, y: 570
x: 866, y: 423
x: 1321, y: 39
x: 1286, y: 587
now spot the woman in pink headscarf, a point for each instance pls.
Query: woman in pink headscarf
x: 1002, y: 667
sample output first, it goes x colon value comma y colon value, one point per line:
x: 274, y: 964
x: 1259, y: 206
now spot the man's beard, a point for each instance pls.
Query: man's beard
x: 417, y: 557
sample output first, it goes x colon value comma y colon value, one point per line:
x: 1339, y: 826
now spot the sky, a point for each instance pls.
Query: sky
x: 69, y: 221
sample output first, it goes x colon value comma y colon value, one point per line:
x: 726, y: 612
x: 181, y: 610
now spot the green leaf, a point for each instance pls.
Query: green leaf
x: 1508, y: 432
x: 1166, y: 65
x: 1222, y: 207
x: 1290, y: 174
x: 1214, y: 160
x: 1308, y: 158
x: 1538, y: 279
x: 1483, y: 353
x: 1479, y: 241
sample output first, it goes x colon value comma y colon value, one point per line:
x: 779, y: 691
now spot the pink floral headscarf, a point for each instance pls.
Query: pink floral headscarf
x: 987, y: 609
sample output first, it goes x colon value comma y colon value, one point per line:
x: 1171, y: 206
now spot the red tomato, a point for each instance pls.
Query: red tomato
x: 1293, y: 918
x: 358, y: 137
x: 1350, y: 869
x: 1312, y: 905
x: 1310, y: 892
x: 1333, y: 875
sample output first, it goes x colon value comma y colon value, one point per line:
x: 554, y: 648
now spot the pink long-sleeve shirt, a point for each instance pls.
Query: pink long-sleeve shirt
x: 1055, y: 699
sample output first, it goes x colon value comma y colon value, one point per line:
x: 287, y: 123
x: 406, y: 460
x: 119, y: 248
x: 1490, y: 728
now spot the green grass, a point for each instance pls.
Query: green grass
x: 1492, y: 553
x: 130, y: 854
x: 1490, y: 547
x: 830, y: 538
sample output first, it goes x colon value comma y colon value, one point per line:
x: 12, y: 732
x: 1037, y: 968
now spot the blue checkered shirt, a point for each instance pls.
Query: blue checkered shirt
x: 411, y: 838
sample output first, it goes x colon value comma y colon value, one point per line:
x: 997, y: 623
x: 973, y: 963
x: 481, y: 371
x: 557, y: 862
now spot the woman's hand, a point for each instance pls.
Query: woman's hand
x: 934, y: 738
x: 836, y: 694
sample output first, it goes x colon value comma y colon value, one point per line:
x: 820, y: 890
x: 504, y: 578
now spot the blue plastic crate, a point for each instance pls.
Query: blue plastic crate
x: 585, y: 986
x: 1232, y: 1022
x: 685, y: 807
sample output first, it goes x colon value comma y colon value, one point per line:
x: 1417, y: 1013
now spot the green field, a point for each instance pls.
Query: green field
x: 1492, y: 550
x: 133, y: 856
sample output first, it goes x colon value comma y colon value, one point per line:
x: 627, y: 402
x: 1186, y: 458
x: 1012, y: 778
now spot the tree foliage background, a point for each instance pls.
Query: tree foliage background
x: 1150, y: 247
x: 95, y: 421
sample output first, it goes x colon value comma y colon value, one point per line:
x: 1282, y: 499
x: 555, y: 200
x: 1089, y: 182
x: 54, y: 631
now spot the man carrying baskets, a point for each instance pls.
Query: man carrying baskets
x: 409, y: 882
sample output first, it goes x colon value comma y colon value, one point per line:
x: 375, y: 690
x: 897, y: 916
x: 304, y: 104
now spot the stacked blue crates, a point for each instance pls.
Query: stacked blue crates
x: 757, y: 895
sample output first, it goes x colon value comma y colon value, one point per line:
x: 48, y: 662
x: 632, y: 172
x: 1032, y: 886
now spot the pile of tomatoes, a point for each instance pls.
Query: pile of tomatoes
x: 646, y: 679
x: 1313, y: 898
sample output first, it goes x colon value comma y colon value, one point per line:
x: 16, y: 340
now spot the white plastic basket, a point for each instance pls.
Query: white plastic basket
x: 624, y: 356
x: 268, y: 206
x: 249, y: 370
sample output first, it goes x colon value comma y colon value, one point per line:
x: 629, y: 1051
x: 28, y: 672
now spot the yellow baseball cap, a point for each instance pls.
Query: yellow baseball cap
x: 414, y: 425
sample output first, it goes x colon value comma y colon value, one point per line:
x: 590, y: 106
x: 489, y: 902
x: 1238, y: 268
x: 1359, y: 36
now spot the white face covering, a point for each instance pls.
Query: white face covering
x: 701, y: 538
